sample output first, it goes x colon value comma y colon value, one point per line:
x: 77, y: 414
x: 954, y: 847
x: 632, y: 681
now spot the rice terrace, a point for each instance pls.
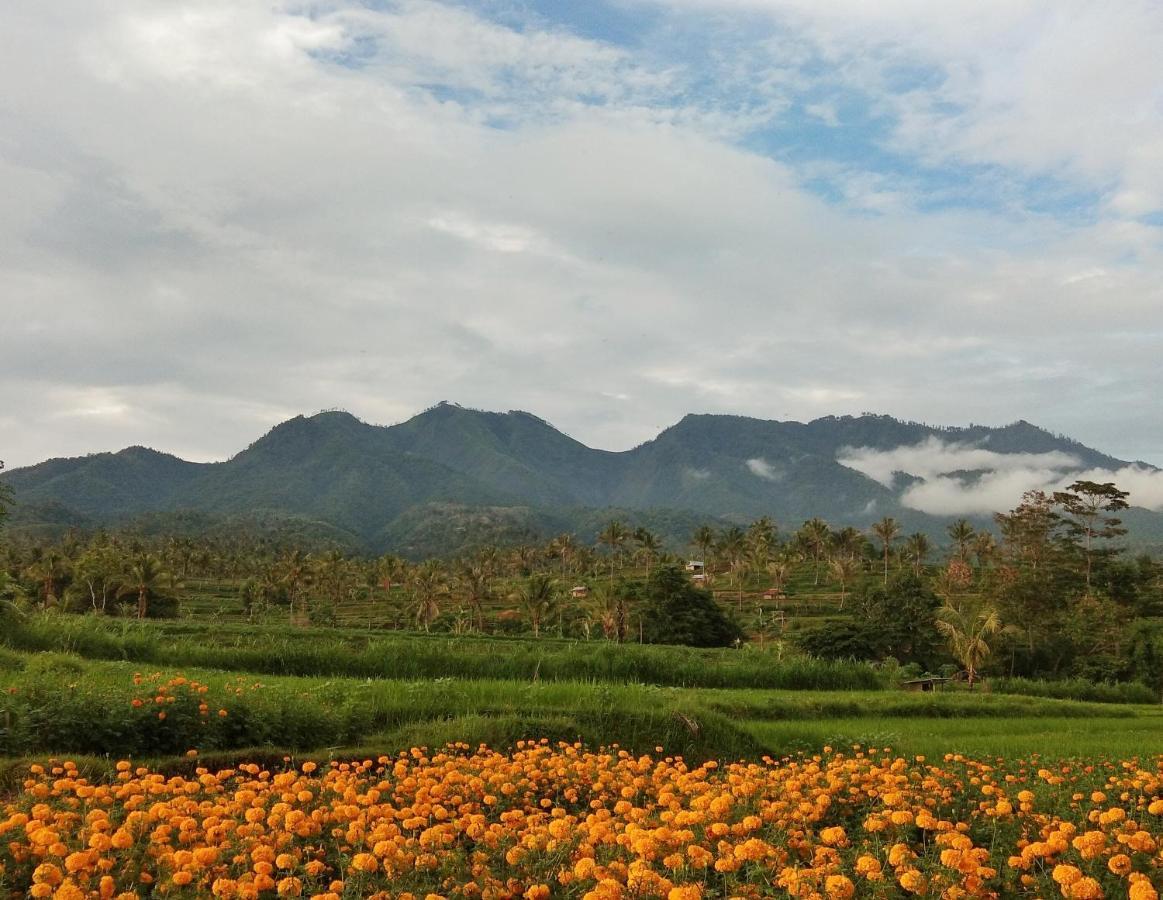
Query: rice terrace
x: 795, y: 525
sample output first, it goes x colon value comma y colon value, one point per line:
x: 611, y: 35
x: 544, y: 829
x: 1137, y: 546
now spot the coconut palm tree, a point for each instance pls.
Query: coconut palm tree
x: 296, y: 574
x: 761, y: 533
x: 144, y: 577
x: 648, y: 545
x: 916, y: 550
x: 474, y: 580
x: 843, y: 569
x: 49, y: 569
x: 887, y: 529
x: 614, y: 536
x: 429, y: 585
x: 537, y: 595
x: 961, y: 533
x: 984, y: 547
x: 968, y: 626
x: 814, y: 537
x: 564, y: 547
x: 704, y: 539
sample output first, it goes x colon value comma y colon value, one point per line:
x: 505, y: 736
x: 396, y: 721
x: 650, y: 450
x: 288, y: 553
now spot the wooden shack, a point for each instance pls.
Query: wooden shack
x: 925, y: 683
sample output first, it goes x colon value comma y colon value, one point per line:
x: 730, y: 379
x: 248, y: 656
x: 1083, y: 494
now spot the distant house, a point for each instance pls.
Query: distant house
x: 695, y: 566
x: 773, y: 594
x: 925, y: 683
x: 579, y: 592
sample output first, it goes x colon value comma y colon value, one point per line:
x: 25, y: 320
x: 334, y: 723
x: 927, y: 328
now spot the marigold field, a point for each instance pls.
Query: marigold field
x: 559, y: 820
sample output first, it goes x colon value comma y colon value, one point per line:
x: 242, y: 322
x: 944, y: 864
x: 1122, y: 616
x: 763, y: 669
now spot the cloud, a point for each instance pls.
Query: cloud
x: 761, y: 468
x: 220, y: 214
x: 933, y: 456
x: 962, y: 479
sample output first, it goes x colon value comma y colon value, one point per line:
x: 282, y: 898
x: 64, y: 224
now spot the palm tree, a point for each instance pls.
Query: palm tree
x: 814, y: 536
x: 961, y: 533
x: 49, y: 569
x: 614, y: 536
x: 332, y: 574
x: 917, y: 548
x: 537, y: 596
x: 984, y: 547
x: 296, y: 573
x: 143, y: 577
x: 848, y: 541
x: 761, y: 533
x: 887, y: 530
x: 648, y: 544
x: 428, y: 587
x: 704, y: 539
x: 475, y: 581
x: 564, y: 546
x: 843, y: 569
x: 967, y: 626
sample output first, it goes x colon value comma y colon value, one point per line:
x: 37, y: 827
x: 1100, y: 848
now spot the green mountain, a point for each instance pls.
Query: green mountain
x: 452, y: 478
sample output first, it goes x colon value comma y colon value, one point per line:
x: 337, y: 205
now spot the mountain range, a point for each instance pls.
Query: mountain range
x: 453, y: 477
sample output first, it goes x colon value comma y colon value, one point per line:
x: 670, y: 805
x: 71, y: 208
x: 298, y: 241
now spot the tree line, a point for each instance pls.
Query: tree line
x: 1048, y: 591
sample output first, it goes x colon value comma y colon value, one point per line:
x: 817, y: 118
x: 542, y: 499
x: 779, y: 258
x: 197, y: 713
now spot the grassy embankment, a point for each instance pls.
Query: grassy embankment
x: 325, y: 693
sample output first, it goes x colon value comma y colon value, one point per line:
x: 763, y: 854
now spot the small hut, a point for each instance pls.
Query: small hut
x: 925, y: 683
x: 579, y: 592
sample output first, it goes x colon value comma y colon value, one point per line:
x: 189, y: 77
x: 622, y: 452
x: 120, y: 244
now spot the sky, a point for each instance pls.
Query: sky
x: 218, y: 214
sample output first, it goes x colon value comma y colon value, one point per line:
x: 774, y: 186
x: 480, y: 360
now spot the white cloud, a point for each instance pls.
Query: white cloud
x: 221, y: 213
x: 998, y: 480
x: 761, y: 468
x: 933, y: 456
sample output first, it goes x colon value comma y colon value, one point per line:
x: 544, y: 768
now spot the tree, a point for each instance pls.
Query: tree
x: 1084, y: 503
x: 6, y: 500
x: 704, y: 539
x: 733, y: 548
x: 887, y: 530
x: 761, y: 534
x: 900, y: 614
x: 564, y: 546
x: 969, y: 626
x: 98, y: 574
x: 296, y: 574
x: 429, y: 586
x: 144, y: 578
x: 961, y: 533
x: 843, y: 569
x: 1029, y: 529
x: 916, y: 550
x: 50, y: 569
x: 537, y: 597
x: 679, y: 613
x: 814, y: 537
x: 648, y: 544
x: 474, y: 579
x: 614, y: 536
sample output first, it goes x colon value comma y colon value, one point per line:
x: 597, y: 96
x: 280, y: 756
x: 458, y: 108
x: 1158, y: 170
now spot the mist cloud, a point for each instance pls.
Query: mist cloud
x: 964, y: 479
x: 763, y: 469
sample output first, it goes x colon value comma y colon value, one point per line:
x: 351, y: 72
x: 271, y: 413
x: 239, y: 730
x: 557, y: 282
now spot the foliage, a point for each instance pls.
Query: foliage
x: 677, y: 612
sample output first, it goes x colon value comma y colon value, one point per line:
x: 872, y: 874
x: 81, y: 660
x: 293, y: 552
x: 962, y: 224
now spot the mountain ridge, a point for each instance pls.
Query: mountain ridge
x: 372, y: 480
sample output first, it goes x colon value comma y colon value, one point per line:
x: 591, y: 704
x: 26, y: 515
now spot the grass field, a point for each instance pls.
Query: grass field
x: 96, y: 715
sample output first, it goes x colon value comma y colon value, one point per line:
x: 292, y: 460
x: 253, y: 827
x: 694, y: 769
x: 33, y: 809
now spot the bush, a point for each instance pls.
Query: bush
x: 679, y: 613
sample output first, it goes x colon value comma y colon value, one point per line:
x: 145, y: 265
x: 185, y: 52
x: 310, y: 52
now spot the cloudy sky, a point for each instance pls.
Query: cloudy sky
x: 216, y: 214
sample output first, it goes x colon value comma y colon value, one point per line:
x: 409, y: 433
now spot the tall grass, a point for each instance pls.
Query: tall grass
x: 1077, y: 689
x: 59, y: 703
x: 328, y: 653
